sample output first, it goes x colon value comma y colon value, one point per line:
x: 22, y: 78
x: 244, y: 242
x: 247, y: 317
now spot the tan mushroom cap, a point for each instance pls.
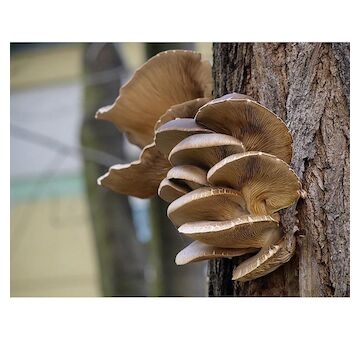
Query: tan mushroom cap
x: 258, y: 128
x: 204, y: 150
x: 267, y: 183
x: 206, y: 204
x: 242, y: 232
x: 188, y: 176
x: 187, y: 109
x: 140, y: 178
x: 174, y: 131
x: 266, y: 261
x: 170, y: 191
x: 197, y: 251
x: 169, y: 78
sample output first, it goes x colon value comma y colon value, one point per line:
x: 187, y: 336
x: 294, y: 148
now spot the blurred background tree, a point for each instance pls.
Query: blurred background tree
x: 121, y: 255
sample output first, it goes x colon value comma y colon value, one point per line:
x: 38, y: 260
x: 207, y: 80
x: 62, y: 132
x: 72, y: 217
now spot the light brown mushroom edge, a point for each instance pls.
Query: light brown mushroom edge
x: 222, y: 164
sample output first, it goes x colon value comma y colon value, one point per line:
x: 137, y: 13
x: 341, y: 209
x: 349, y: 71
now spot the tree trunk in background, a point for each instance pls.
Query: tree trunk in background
x: 308, y: 86
x: 121, y: 256
x: 171, y: 280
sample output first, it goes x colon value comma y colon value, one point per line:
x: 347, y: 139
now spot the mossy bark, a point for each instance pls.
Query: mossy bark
x: 308, y: 86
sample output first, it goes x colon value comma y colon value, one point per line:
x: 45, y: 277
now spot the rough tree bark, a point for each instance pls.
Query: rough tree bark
x: 308, y: 86
x: 121, y: 256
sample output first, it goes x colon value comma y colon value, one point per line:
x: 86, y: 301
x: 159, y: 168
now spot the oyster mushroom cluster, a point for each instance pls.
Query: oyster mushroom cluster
x: 222, y: 164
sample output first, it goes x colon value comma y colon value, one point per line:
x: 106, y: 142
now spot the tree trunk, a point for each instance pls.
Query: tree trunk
x: 308, y: 86
x: 121, y: 256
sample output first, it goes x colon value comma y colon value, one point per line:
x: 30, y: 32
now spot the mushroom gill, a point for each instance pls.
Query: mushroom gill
x: 204, y: 150
x: 242, y: 232
x: 206, y: 204
x: 198, y: 251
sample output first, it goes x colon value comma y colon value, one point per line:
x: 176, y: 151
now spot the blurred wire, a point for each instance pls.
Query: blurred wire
x: 96, y: 156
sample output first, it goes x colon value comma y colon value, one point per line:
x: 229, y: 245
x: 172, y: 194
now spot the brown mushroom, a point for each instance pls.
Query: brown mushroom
x: 258, y: 128
x: 267, y: 183
x: 206, y: 203
x: 170, y: 191
x: 188, y: 176
x: 197, y: 251
x: 140, y: 178
x: 242, y: 232
x: 267, y: 260
x: 169, y: 78
x: 204, y: 150
x: 174, y: 131
x: 187, y: 109
x: 180, y: 180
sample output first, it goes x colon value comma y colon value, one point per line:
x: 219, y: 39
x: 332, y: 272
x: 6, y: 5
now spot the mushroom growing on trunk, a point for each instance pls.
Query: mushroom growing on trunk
x: 222, y: 164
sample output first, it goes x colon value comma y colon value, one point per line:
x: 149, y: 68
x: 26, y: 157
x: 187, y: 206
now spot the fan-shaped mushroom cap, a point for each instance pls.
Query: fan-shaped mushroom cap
x: 197, y: 251
x: 174, y: 131
x: 140, y: 178
x: 258, y: 128
x: 267, y: 183
x: 169, y: 78
x: 188, y: 176
x: 204, y: 150
x: 266, y: 261
x: 241, y: 232
x: 170, y: 191
x: 206, y: 203
x: 187, y: 109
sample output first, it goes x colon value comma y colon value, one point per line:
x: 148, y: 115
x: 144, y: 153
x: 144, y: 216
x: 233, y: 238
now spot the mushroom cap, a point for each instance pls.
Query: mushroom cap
x: 140, y: 178
x: 258, y: 128
x: 174, y: 131
x: 204, y: 150
x: 169, y: 78
x: 187, y: 109
x: 233, y: 95
x: 217, y: 204
x: 170, y: 191
x: 267, y: 183
x: 266, y: 260
x: 197, y: 251
x: 188, y: 176
x: 242, y: 232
